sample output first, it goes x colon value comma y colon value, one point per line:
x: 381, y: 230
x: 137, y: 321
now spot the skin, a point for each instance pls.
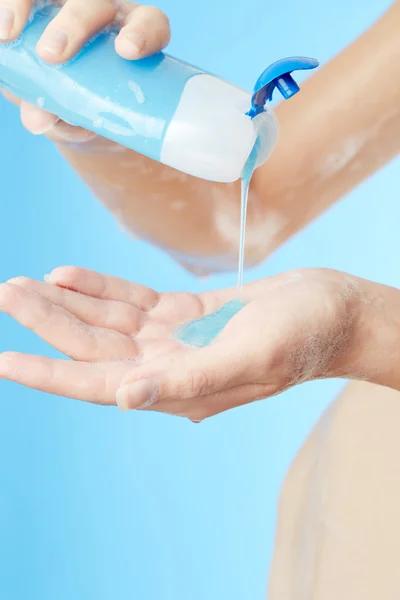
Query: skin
x: 338, y: 526
x: 120, y: 337
x: 356, y: 133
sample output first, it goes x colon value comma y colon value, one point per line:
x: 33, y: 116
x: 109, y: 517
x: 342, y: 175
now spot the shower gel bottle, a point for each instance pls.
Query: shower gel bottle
x: 160, y: 106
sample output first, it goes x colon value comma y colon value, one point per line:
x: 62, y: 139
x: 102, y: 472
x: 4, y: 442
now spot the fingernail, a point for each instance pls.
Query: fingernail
x: 36, y: 120
x: 43, y: 123
x: 131, y: 43
x: 7, y: 17
x: 53, y: 42
x: 71, y: 134
x: 138, y: 395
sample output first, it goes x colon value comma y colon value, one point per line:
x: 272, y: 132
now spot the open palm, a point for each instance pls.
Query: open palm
x: 120, y: 337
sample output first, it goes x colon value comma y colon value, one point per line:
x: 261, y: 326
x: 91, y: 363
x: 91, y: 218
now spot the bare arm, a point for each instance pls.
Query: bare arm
x: 337, y: 523
x: 342, y: 127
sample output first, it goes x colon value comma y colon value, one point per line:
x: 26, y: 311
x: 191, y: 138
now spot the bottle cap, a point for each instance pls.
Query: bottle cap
x: 279, y: 76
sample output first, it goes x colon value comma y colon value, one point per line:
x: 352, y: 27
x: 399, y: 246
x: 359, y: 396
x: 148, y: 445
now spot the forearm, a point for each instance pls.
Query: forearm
x: 373, y: 354
x: 343, y: 126
x: 171, y: 209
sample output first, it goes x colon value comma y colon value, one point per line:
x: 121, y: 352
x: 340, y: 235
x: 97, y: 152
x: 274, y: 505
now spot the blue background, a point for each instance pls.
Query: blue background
x: 99, y: 505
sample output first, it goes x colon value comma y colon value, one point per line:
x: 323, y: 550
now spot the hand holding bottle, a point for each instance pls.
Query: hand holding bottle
x: 144, y: 30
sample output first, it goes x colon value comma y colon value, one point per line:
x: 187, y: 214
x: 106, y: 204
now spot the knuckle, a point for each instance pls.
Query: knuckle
x: 82, y: 15
x: 69, y: 276
x: 23, y: 282
x: 157, y: 18
x: 132, y: 319
x: 198, y: 383
x: 42, y: 313
x: 155, y: 13
x: 9, y: 295
x: 108, y: 10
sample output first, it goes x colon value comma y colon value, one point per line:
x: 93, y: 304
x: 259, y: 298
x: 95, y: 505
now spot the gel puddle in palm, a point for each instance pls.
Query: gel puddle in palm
x: 203, y: 331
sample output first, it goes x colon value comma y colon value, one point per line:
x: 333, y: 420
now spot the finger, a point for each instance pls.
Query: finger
x: 11, y: 98
x: 146, y: 32
x: 199, y: 409
x: 187, y: 375
x: 13, y: 17
x: 73, y: 26
x: 36, y: 120
x: 89, y: 382
x: 170, y: 308
x: 109, y: 314
x: 61, y: 329
x: 104, y: 286
x: 64, y: 132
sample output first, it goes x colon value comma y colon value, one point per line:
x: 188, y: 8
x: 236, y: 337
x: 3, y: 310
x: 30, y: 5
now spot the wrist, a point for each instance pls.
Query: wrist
x: 377, y: 353
x: 342, y: 327
x: 353, y: 331
x: 321, y: 324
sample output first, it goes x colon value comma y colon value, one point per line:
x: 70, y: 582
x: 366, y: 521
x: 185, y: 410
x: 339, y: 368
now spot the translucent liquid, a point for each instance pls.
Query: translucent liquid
x: 245, y: 185
x: 203, y: 331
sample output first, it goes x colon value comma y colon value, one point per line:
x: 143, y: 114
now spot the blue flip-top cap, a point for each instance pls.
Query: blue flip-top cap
x: 278, y: 75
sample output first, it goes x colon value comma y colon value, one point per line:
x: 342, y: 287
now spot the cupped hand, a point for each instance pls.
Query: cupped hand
x: 144, y: 30
x: 294, y: 327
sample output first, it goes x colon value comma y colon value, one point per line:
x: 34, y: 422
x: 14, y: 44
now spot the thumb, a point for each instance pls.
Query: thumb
x: 36, y: 120
x: 186, y: 375
x: 39, y: 122
x: 11, y: 98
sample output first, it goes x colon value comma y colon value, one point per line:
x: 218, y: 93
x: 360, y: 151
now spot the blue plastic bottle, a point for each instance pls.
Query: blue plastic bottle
x: 161, y: 107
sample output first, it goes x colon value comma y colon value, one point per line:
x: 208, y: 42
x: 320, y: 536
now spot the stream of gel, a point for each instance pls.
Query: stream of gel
x: 202, y: 332
x: 247, y: 174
